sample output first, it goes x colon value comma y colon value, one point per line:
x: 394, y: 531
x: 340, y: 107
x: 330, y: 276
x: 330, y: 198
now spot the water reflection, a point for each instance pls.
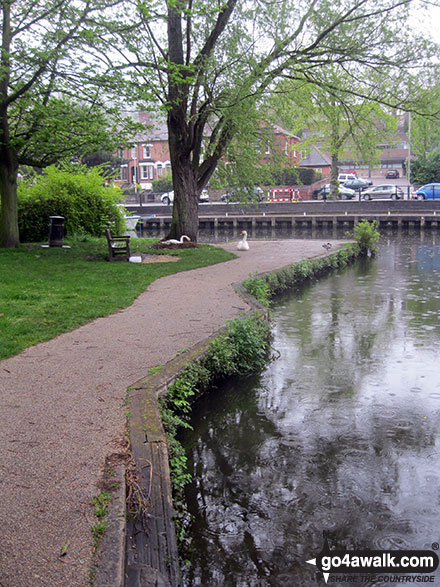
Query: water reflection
x: 338, y: 438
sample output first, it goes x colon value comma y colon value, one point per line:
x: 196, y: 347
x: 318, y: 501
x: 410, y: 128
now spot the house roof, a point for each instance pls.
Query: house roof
x: 316, y: 158
x: 283, y: 131
x: 155, y: 127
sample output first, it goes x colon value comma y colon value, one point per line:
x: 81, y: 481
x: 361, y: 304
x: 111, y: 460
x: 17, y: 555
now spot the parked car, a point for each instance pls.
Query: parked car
x: 232, y: 196
x: 344, y: 193
x: 430, y: 191
x: 356, y: 184
x: 168, y: 198
x: 392, y: 173
x: 343, y: 177
x: 383, y: 191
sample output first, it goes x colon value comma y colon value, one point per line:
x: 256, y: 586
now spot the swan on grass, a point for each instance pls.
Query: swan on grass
x: 173, y: 241
x: 243, y: 245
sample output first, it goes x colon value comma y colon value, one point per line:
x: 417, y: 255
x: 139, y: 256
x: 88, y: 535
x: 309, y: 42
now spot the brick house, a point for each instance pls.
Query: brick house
x: 149, y: 157
x: 283, y: 142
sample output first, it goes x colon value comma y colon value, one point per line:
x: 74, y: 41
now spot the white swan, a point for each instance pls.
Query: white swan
x: 243, y: 245
x: 173, y: 241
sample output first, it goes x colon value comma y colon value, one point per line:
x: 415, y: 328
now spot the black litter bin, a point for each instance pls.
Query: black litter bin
x: 56, y: 231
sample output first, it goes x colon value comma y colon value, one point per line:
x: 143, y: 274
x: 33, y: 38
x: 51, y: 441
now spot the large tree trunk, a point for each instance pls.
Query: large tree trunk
x: 334, y: 172
x: 186, y: 190
x: 8, y: 158
x: 9, y: 236
x: 186, y: 201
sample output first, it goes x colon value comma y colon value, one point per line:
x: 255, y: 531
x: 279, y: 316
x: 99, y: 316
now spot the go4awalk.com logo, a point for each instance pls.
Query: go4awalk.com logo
x: 406, y: 566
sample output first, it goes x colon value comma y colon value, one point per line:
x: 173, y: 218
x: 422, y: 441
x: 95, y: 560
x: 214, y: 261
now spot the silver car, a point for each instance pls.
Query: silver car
x: 385, y: 191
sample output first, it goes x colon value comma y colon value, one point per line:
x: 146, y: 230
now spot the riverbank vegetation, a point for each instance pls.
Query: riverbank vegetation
x: 264, y: 287
x: 45, y: 292
x: 366, y: 236
x: 243, y: 348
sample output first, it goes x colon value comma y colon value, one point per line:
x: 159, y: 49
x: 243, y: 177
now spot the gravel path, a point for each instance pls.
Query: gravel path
x: 62, y: 413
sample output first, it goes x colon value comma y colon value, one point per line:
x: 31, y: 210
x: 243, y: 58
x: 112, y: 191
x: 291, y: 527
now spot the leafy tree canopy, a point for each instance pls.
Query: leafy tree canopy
x: 209, y: 65
x: 53, y: 90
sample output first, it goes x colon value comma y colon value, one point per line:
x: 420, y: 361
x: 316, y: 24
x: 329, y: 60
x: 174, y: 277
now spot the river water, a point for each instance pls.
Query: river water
x: 337, y: 439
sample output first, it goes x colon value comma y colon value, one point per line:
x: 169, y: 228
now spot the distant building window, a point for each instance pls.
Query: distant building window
x: 147, y: 171
x: 147, y: 151
x: 168, y: 166
x: 134, y: 153
x: 121, y: 153
x: 286, y: 148
x: 123, y: 172
x: 159, y: 170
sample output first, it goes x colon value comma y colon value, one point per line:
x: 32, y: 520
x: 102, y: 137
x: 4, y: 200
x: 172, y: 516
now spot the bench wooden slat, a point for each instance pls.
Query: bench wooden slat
x: 117, y: 245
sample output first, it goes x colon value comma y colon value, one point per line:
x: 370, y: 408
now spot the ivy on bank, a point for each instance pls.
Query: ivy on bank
x: 265, y: 287
x: 244, y: 348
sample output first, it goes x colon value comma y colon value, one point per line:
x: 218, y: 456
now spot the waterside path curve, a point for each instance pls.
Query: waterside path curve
x: 62, y: 408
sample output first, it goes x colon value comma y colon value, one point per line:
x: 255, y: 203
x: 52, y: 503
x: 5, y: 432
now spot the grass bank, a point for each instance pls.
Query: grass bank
x: 45, y: 292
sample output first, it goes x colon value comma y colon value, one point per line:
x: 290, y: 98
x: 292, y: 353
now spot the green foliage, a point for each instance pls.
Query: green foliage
x: 101, y: 503
x: 423, y: 124
x: 242, y: 349
x: 296, y: 176
x: 75, y: 192
x: 426, y: 169
x: 98, y: 531
x: 308, y: 176
x: 263, y: 288
x: 338, y: 119
x: 163, y: 184
x: 259, y: 288
x: 106, y: 160
x: 367, y: 236
x: 249, y: 339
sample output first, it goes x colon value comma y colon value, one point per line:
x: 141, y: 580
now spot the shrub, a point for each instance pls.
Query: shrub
x: 426, y: 169
x: 366, y: 236
x: 74, y: 192
x: 263, y: 288
x: 296, y: 176
x: 163, y: 184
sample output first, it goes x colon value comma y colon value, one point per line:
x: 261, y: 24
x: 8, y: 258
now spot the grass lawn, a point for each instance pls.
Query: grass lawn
x: 44, y: 292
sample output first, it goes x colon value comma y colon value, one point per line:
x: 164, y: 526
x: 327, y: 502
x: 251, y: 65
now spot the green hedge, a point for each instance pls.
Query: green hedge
x: 74, y: 192
x: 296, y: 176
x: 265, y: 287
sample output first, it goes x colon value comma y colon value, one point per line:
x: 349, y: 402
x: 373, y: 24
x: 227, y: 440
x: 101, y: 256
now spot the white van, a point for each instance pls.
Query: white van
x: 345, y: 176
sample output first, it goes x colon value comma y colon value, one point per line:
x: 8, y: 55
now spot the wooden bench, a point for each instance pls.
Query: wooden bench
x: 118, y: 246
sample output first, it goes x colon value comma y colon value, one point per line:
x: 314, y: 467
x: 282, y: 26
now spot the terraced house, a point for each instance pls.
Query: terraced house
x: 149, y: 159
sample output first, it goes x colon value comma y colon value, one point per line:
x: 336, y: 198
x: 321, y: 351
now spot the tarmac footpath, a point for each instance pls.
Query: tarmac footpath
x: 62, y: 408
